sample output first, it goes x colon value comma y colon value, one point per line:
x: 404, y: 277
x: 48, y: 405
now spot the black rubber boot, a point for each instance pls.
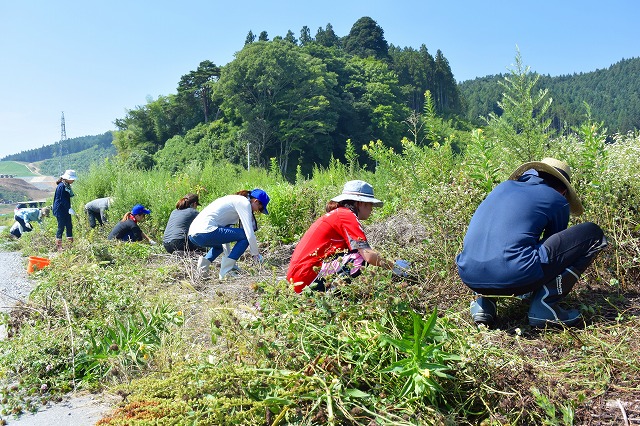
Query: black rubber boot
x: 544, y: 309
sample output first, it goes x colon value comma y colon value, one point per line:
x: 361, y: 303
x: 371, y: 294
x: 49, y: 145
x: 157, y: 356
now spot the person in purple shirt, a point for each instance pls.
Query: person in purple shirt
x: 519, y: 242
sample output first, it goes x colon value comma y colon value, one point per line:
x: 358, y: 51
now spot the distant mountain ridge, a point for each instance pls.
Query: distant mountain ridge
x: 613, y: 95
x: 76, y: 153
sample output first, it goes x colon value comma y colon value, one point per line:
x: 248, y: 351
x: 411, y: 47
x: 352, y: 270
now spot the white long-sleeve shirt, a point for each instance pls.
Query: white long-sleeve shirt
x: 223, y: 212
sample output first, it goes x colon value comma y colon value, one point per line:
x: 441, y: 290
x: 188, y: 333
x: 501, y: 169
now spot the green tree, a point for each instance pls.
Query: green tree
x: 365, y: 39
x: 290, y: 37
x: 445, y: 88
x: 416, y: 73
x: 197, y: 86
x: 377, y: 100
x: 282, y: 95
x: 251, y: 37
x: 327, y: 37
x: 263, y: 36
x: 305, y: 36
x: 524, y: 124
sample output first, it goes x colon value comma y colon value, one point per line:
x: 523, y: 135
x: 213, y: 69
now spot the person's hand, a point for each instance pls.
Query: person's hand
x: 258, y: 258
x: 153, y: 243
x: 401, y: 268
x: 72, y: 212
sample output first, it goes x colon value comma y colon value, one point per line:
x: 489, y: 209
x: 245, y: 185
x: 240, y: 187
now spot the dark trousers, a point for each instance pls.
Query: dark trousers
x: 182, y: 245
x: 22, y: 223
x: 575, y: 247
x: 93, y: 217
x: 64, y: 222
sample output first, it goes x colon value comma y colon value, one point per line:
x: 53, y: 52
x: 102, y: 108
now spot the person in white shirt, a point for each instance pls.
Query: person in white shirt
x: 213, y: 228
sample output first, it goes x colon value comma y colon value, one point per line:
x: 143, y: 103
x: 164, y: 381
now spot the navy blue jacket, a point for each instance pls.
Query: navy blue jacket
x: 502, y: 247
x: 61, y: 201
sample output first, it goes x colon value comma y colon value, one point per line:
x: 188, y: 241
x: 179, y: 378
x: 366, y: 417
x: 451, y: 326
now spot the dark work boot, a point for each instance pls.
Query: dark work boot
x: 544, y: 307
x: 483, y: 310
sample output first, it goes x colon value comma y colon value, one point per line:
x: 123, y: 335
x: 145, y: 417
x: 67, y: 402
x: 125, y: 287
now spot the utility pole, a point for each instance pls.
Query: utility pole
x: 63, y: 137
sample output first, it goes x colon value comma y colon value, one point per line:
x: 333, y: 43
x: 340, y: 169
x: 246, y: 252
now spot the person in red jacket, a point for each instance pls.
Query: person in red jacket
x: 336, y: 245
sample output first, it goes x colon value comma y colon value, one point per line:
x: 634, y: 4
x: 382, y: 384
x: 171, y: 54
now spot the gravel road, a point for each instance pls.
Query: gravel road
x: 78, y: 409
x: 14, y: 284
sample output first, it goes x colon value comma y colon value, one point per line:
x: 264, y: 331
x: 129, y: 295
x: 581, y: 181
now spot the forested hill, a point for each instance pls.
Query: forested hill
x: 292, y: 100
x: 65, y: 148
x: 613, y: 95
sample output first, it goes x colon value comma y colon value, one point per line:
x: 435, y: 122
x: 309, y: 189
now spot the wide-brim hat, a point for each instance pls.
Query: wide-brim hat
x: 69, y: 175
x: 560, y: 170
x: 358, y: 190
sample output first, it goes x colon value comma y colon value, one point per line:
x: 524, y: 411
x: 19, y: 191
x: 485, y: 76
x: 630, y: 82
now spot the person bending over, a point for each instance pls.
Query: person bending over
x: 335, y: 246
x: 128, y: 230
x: 519, y: 242
x: 213, y: 228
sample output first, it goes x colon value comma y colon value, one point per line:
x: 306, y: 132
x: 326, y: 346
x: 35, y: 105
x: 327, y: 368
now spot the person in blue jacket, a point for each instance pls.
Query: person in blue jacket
x: 519, y: 242
x: 24, y: 216
x: 62, y: 206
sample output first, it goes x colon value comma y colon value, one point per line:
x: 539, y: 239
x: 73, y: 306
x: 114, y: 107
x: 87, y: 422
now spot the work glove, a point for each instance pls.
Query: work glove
x: 401, y: 268
x: 153, y: 243
x: 258, y: 258
x: 72, y: 212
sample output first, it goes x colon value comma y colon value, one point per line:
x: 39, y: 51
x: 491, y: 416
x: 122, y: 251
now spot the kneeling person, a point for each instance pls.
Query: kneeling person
x: 519, y: 242
x: 128, y: 230
x: 335, y: 244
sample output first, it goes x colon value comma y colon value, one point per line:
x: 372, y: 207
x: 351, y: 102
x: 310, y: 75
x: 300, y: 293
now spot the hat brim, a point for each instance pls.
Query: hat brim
x: 362, y: 198
x: 575, y: 205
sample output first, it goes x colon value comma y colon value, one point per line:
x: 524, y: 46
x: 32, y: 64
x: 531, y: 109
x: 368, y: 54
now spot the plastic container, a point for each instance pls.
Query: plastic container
x: 37, y: 263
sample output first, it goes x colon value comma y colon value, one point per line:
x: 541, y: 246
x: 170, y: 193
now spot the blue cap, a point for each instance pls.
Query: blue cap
x: 261, y: 196
x: 139, y: 209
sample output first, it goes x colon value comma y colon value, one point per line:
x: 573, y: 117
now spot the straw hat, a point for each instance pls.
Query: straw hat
x: 559, y: 169
x: 357, y: 190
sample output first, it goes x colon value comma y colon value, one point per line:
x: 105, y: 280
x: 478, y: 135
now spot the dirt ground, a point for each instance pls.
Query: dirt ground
x: 28, y: 190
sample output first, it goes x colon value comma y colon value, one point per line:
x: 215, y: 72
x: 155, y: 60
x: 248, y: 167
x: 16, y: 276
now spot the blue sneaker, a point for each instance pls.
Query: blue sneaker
x: 483, y: 310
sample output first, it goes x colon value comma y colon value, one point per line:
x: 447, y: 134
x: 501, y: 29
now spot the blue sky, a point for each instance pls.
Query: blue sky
x: 94, y: 60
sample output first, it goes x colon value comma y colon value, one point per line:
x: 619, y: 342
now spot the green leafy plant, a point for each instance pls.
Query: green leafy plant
x: 551, y: 411
x: 129, y: 342
x: 424, y: 361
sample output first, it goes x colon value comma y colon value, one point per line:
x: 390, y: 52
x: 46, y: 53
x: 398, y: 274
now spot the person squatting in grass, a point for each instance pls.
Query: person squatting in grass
x: 518, y: 242
x: 213, y: 228
x: 62, y: 206
x: 97, y: 210
x: 127, y: 229
x: 176, y: 232
x: 335, y: 246
x: 24, y: 216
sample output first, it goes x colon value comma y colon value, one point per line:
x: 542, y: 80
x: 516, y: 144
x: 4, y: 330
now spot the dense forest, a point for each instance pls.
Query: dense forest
x: 294, y: 100
x: 296, y: 103
x: 613, y: 95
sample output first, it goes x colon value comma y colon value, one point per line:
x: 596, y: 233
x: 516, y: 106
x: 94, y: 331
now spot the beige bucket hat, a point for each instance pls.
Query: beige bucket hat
x: 559, y: 169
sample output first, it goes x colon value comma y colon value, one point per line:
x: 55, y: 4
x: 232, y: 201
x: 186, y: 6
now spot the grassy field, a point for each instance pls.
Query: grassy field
x: 132, y: 320
x: 15, y: 168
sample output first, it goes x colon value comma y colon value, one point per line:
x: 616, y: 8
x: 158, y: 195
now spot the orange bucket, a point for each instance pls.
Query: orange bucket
x: 36, y: 263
